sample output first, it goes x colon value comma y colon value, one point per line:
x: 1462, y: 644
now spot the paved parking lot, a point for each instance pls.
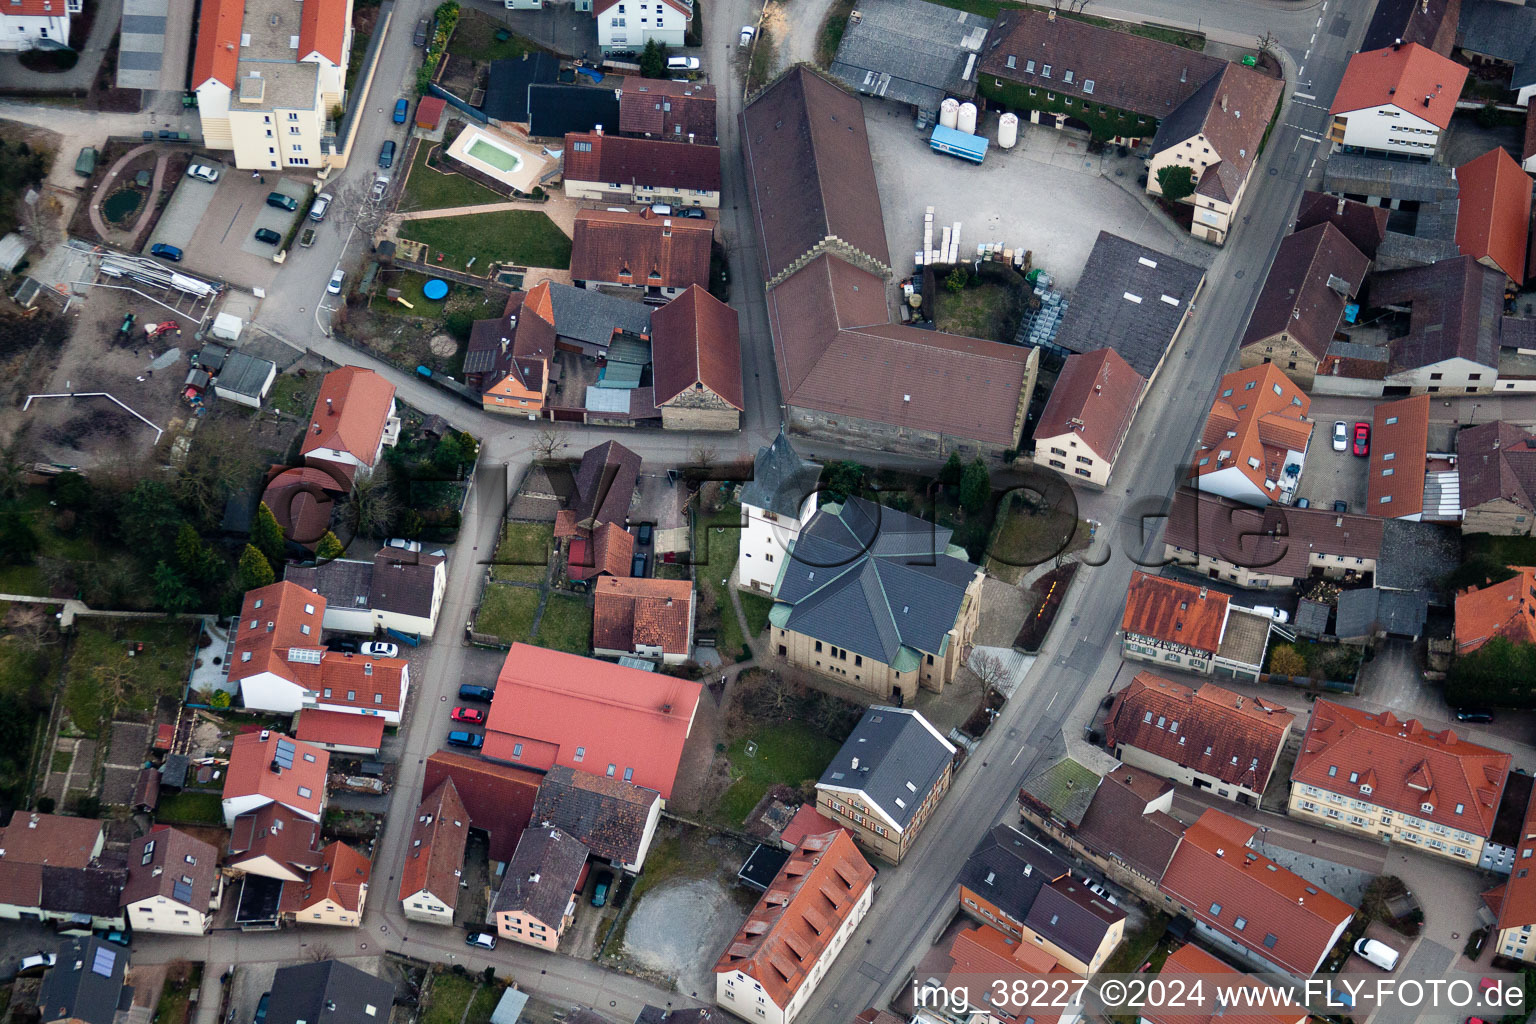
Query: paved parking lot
x: 1330, y: 476
x: 215, y: 224
x: 1045, y: 195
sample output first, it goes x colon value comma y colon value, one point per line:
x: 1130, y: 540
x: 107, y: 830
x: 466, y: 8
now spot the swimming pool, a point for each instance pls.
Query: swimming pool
x: 501, y: 159
x: 497, y: 156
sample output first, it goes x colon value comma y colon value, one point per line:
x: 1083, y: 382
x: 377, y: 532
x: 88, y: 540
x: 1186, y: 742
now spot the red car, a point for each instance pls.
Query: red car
x: 1362, y: 438
x: 468, y: 715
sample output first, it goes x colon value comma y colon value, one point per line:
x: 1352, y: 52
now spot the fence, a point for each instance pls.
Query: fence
x: 461, y: 106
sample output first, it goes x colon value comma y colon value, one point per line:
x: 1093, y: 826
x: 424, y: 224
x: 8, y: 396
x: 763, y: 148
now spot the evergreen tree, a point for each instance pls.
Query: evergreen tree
x: 329, y: 549
x: 267, y: 535
x: 953, y: 470
x: 171, y: 590
x: 254, y: 571
x: 653, y: 60
x: 196, y: 557
x: 975, y: 487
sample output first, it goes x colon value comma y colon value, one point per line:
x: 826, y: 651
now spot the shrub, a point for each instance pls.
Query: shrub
x: 45, y: 804
x: 975, y: 487
x: 220, y: 699
x: 956, y: 280
x: 1286, y: 660
x: 1176, y: 182
x: 459, y: 324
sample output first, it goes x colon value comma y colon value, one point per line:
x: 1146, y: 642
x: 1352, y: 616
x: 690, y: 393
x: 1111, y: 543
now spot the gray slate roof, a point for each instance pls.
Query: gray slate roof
x: 607, y: 815
x: 1398, y: 250
x: 245, y: 374
x: 1501, y: 30
x: 873, y: 580
x: 1009, y: 869
x: 1352, y: 174
x: 1395, y: 611
x: 1311, y: 618
x: 1100, y: 315
x: 96, y: 891
x: 542, y: 875
x: 307, y: 992
x: 1072, y: 917
x: 894, y: 757
x: 911, y: 51
x: 781, y: 479
x: 592, y: 317
x: 1414, y: 556
x: 344, y: 583
x: 87, y: 982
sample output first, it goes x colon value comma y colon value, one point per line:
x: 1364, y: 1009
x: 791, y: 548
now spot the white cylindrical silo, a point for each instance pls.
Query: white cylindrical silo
x: 1008, y: 130
x: 949, y: 112
x: 967, y: 122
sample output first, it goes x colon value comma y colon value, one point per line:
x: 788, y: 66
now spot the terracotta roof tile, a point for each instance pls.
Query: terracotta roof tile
x: 1287, y: 920
x: 276, y: 833
x: 1493, y: 224
x: 323, y: 29
x: 341, y: 878
x: 653, y: 162
x: 340, y: 728
x: 1412, y: 766
x: 1177, y: 612
x: 273, y: 619
x: 694, y: 341
x: 1399, y: 443
x: 807, y: 821
x: 36, y: 838
x: 1403, y: 77
x: 1203, y: 1007
x: 217, y: 57
x: 632, y: 613
x: 804, y: 907
x: 499, y: 798
x: 662, y: 108
x: 1258, y: 418
x: 1315, y: 273
x: 1515, y: 903
x: 350, y: 414
x: 1095, y: 396
x: 434, y: 861
x: 250, y: 773
x: 980, y: 957
x: 640, y: 249
x: 1211, y: 730
x: 609, y: 549
x: 1506, y: 609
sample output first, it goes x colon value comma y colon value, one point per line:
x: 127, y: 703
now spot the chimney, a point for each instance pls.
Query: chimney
x: 534, y: 878
x: 1202, y: 593
x: 1220, y: 852
x: 690, y: 137
x: 266, y: 733
x: 276, y: 768
x: 1496, y: 444
x: 597, y: 129
x: 1223, y: 103
x: 855, y: 765
x: 669, y: 602
x: 1050, y: 15
x: 1340, y: 211
x: 330, y: 407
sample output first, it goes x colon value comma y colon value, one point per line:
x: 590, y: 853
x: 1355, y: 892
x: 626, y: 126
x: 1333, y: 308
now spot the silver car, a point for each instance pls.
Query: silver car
x: 1340, y: 436
x: 203, y: 172
x: 378, y: 649
x: 380, y: 186
x: 335, y: 289
x: 318, y: 208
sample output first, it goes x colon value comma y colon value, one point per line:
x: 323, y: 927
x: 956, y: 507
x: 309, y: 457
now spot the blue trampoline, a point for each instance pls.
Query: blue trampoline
x: 435, y: 289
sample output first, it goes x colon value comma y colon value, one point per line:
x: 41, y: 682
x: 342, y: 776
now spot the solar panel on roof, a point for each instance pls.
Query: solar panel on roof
x: 104, y: 961
x: 285, y: 752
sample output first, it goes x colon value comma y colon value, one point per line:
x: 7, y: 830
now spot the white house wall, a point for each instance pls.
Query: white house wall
x: 1391, y: 129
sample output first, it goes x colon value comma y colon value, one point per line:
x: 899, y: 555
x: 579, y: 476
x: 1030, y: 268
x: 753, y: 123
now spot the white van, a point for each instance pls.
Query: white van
x: 1377, y: 953
x: 682, y: 63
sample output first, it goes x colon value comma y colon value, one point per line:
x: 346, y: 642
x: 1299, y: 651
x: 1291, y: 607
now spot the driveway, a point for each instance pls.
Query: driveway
x: 215, y: 224
x: 1330, y: 476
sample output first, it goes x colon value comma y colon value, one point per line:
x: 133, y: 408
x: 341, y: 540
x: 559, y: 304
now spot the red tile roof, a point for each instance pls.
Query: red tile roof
x: 1189, y: 963
x: 610, y: 550
x: 630, y: 613
x: 1212, y: 730
x: 1506, y: 609
x: 1493, y: 223
x: 273, y: 619
x: 1258, y: 417
x: 275, y: 832
x: 342, y: 877
x: 36, y: 9
x: 499, y: 798
x: 1399, y: 443
x: 557, y: 708
x: 808, y: 821
x: 981, y: 958
x: 218, y: 42
x: 250, y: 772
x: 53, y: 839
x: 351, y: 412
x: 799, y: 914
x: 434, y: 861
x: 1287, y: 920
x: 323, y: 30
x: 640, y: 249
x: 1515, y: 904
x: 663, y: 108
x: 340, y: 728
x: 1177, y: 612
x: 653, y: 162
x: 1407, y: 766
x: 1094, y: 397
x: 694, y: 342
x: 1404, y: 77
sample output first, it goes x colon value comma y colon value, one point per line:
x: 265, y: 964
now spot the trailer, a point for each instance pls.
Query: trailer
x: 958, y: 143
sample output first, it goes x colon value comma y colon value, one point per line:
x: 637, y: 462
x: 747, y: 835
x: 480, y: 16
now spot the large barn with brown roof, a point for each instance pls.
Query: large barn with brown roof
x: 1496, y: 473
x: 845, y: 371
x: 434, y: 863
x: 661, y: 255
x: 696, y: 363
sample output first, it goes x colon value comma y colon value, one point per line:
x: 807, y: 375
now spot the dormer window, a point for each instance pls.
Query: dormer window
x: 1427, y: 808
x: 1365, y: 789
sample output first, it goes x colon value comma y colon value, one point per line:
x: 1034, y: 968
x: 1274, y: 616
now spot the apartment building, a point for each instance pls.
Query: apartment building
x: 1396, y: 100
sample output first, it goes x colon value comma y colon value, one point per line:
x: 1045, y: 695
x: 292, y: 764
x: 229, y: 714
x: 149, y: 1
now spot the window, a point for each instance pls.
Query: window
x: 581, y: 753
x: 306, y: 792
x: 582, y: 147
x: 378, y: 698
x: 327, y: 691
x: 351, y: 695
x: 1240, y: 923
x: 1045, y: 71
x: 1029, y: 68
x: 1013, y: 61
x: 517, y: 750
x: 629, y: 775
x: 1215, y: 909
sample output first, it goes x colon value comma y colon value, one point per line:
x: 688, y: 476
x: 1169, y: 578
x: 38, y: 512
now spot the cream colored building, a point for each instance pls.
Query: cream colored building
x: 269, y: 75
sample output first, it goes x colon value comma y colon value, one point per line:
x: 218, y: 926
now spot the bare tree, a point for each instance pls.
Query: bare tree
x: 116, y: 674
x: 224, y: 455
x: 1070, y: 6
x: 353, y: 205
x: 320, y: 951
x: 371, y: 509
x: 989, y: 668
x: 705, y: 455
x: 548, y: 442
x: 1269, y: 43
x: 31, y: 627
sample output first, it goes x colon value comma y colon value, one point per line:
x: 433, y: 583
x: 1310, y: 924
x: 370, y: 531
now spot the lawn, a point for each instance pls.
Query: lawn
x: 431, y: 189
x: 1504, y: 550
x: 1025, y: 540
x: 80, y: 546
x: 451, y: 993
x: 983, y: 310
x: 755, y: 607
x: 62, y: 759
x: 523, y: 553
x: 525, y: 237
x: 566, y: 625
x: 790, y: 752
x: 1137, y: 946
x: 474, y: 38
x: 174, y: 995
x: 718, y: 537
x: 410, y: 284
x: 293, y: 394
x: 484, y: 1004
x: 507, y: 612
x: 190, y: 808
x: 104, y: 668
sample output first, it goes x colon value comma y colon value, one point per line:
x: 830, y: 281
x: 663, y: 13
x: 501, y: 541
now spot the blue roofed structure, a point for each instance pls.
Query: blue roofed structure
x: 958, y: 143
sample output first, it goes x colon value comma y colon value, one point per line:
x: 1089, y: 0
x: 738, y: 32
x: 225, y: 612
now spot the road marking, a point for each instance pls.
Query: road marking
x: 1302, y: 96
x: 1310, y: 138
x: 1308, y: 54
x: 1318, y: 25
x: 1017, y: 756
x: 1053, y: 699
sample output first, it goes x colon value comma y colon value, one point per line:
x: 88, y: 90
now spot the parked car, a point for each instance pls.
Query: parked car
x: 482, y: 940
x: 203, y: 172
x: 694, y: 213
x: 165, y: 252
x: 1279, y: 615
x: 345, y: 645
x: 335, y: 289
x: 318, y: 208
x: 1340, y: 436
x: 1474, y: 715
x: 278, y: 201
x: 637, y: 567
x: 261, y: 1009
x: 387, y: 154
x: 268, y: 236
x: 600, y: 890
x: 474, y: 716
x: 469, y: 691
x: 1303, y: 502
x: 1341, y: 507
x: 419, y: 37
x: 460, y: 738
x: 38, y: 959
x: 661, y: 209
x: 1101, y: 892
x: 1377, y: 953
x: 747, y: 32
x: 1362, y: 439
x: 643, y: 535
x: 402, y: 107
x: 377, y: 648
x: 379, y: 187
x: 682, y: 63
